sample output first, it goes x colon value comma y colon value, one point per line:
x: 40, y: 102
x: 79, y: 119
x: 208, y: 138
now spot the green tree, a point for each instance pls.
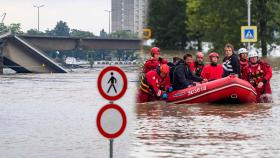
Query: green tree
x: 80, y: 33
x: 49, y: 32
x: 216, y: 21
x: 15, y: 28
x: 61, y: 29
x: 264, y: 13
x: 219, y: 21
x: 34, y: 32
x: 165, y: 19
x: 3, y: 28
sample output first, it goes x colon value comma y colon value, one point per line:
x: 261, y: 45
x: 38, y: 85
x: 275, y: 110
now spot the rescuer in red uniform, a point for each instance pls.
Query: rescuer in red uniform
x: 214, y: 70
x: 198, y: 65
x: 259, y: 74
x: 155, y: 60
x: 243, y: 61
x: 154, y: 85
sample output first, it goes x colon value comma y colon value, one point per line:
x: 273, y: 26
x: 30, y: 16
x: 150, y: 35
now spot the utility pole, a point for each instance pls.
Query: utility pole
x: 109, y: 11
x: 38, y: 8
x: 249, y: 18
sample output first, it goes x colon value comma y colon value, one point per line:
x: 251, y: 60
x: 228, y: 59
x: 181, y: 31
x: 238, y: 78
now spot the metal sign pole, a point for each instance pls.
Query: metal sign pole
x: 111, y: 148
x: 1, y: 56
x: 249, y: 19
x: 111, y: 140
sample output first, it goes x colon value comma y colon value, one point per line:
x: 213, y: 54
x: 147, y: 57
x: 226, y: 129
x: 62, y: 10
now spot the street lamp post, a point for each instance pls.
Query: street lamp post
x: 109, y: 11
x: 249, y: 18
x: 38, y: 7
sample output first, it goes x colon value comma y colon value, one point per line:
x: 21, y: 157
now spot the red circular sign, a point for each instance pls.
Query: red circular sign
x: 101, y: 77
x: 99, y: 125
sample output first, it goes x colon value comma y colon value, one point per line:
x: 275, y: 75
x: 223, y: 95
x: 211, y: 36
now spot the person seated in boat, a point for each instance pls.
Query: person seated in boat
x: 212, y: 71
x: 154, y: 61
x: 189, y: 61
x: 155, y: 85
x: 243, y: 61
x: 182, y: 75
x: 198, y: 64
x: 172, y: 65
x: 230, y: 62
x: 259, y: 73
x: 174, y: 62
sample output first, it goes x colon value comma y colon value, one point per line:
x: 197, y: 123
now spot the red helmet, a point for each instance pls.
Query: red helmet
x: 155, y: 50
x: 213, y: 54
x: 199, y: 55
x: 164, y: 68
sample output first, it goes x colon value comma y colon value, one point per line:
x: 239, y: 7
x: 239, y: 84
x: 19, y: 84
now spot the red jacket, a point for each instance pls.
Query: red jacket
x: 260, y: 72
x: 157, y: 84
x: 152, y: 63
x: 211, y: 72
x: 243, y: 68
x: 192, y: 67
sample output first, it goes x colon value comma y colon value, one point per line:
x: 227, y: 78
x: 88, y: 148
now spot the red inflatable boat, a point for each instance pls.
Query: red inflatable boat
x: 225, y: 90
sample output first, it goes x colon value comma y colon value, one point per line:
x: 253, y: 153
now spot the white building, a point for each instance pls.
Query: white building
x: 129, y: 15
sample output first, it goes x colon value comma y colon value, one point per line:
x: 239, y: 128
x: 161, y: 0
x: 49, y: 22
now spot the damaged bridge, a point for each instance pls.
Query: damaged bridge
x: 26, y: 54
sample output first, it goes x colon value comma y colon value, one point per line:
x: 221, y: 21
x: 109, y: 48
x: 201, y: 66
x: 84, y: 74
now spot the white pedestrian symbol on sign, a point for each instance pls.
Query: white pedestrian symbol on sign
x: 249, y: 34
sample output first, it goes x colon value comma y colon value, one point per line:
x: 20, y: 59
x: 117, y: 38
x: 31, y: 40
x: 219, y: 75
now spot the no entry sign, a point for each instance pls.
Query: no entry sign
x: 112, y: 83
x: 111, y: 121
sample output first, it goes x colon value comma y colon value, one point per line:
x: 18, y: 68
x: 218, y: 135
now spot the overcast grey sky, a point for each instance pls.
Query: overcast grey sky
x: 88, y: 15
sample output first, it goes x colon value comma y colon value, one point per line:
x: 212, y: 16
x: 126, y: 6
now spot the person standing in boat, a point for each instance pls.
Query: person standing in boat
x: 243, y: 61
x: 198, y: 64
x: 230, y: 62
x: 154, y: 85
x: 259, y: 73
x: 182, y: 75
x: 212, y: 71
x: 154, y: 61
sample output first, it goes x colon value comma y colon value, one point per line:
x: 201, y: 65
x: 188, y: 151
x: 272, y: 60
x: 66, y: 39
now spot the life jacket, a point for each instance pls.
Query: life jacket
x: 243, y: 64
x: 256, y: 76
x: 243, y: 68
x: 147, y: 88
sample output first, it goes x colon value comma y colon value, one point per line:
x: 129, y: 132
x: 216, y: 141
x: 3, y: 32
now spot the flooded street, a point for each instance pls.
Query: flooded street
x: 53, y: 115
x: 207, y: 130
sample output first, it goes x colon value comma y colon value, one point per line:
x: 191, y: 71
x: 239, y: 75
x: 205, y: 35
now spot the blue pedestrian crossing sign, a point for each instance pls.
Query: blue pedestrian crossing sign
x: 248, y: 33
